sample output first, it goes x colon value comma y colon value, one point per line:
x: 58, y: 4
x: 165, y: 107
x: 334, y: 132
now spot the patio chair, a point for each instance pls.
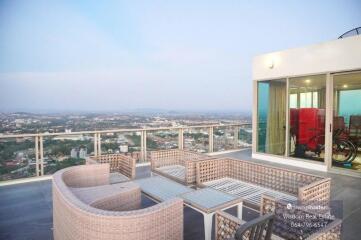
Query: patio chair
x: 122, y: 167
x: 272, y: 225
x: 178, y: 165
x: 231, y: 228
x: 86, y: 206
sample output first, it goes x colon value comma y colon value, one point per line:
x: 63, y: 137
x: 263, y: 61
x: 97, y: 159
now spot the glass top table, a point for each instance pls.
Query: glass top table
x: 206, y: 200
x: 161, y: 188
x: 209, y: 200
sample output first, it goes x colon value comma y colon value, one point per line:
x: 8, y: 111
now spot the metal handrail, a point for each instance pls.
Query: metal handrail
x: 39, y: 139
x: 118, y: 130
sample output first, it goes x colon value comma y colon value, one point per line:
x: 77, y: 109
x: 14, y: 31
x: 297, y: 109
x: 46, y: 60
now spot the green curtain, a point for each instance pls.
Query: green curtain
x: 322, y: 98
x: 276, y: 121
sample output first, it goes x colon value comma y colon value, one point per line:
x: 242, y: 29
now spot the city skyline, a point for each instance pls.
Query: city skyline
x: 182, y: 56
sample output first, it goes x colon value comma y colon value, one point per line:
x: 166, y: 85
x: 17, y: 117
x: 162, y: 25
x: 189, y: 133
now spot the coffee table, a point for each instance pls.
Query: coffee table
x: 205, y: 201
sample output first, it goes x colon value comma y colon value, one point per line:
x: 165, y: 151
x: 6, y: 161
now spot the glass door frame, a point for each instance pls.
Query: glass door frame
x: 329, y: 122
x: 255, y: 122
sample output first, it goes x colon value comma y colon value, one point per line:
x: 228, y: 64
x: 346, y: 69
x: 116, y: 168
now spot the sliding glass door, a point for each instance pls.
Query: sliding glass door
x: 271, y: 116
x: 346, y: 136
x: 300, y: 105
x: 307, y: 113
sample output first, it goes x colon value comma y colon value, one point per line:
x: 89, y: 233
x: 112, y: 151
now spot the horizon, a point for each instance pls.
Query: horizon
x: 130, y: 111
x: 120, y: 56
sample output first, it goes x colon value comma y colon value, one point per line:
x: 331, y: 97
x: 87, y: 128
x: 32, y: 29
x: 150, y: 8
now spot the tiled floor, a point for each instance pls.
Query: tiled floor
x: 26, y: 209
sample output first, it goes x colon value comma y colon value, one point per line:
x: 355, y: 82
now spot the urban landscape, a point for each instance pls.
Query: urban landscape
x: 18, y: 155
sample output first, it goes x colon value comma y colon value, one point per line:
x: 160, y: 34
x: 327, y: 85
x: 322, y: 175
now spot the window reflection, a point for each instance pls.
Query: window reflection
x: 346, y: 139
x: 271, y: 116
x: 307, y: 98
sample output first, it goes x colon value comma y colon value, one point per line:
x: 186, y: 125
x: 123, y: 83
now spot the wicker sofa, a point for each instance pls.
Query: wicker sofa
x: 86, y: 206
x: 178, y: 165
x: 251, y: 180
x: 122, y: 167
x: 316, y: 228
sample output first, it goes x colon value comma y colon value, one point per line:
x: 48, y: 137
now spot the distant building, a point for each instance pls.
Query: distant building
x: 80, y: 152
x: 123, y: 148
x: 74, y: 153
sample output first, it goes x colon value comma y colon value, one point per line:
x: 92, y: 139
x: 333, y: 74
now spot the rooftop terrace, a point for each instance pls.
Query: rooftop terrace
x: 26, y: 208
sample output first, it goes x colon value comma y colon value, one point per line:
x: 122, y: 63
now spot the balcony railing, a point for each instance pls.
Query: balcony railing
x: 40, y: 154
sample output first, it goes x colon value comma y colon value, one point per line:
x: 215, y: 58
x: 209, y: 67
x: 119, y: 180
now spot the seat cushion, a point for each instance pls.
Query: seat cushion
x: 176, y: 171
x: 90, y: 195
x: 251, y: 193
x: 116, y: 177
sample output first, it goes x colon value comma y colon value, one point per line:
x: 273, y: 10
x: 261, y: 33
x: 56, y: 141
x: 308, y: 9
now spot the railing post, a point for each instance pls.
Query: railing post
x: 180, y: 138
x: 95, y: 145
x: 41, y: 155
x: 210, y: 139
x: 143, y: 145
x: 37, y: 156
x: 236, y: 136
x: 99, y: 145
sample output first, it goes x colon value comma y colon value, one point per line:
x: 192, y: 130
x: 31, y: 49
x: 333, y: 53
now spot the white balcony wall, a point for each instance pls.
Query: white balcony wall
x: 333, y: 56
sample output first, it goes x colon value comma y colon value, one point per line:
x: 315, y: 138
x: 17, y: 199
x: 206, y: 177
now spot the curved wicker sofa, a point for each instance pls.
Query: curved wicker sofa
x: 85, y: 206
x: 122, y: 167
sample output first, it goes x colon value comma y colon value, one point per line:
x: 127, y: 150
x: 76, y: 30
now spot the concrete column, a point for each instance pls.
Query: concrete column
x: 180, y: 138
x: 210, y: 139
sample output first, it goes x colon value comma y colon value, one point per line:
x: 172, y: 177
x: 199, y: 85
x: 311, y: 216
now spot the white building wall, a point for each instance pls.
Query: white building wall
x: 334, y: 56
x: 340, y: 55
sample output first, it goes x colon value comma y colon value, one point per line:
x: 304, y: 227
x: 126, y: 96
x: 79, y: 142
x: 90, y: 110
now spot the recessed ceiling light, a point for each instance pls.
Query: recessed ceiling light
x: 307, y: 80
x: 345, y: 86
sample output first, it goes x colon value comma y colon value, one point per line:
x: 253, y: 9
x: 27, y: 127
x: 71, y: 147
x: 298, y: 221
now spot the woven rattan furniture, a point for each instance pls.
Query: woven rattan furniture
x: 227, y: 225
x: 234, y: 229
x: 86, y: 206
x: 251, y: 180
x: 179, y: 165
x: 205, y: 201
x: 122, y: 167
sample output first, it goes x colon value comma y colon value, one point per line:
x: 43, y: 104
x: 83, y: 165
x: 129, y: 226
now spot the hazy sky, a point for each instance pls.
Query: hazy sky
x: 177, y: 55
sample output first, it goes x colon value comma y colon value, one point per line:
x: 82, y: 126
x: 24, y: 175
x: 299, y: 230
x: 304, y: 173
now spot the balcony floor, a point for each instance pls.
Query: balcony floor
x: 26, y: 208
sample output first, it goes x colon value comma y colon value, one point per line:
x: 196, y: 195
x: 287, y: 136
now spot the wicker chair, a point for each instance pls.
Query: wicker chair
x: 250, y: 180
x: 257, y: 229
x: 315, y: 225
x: 274, y: 226
x: 85, y: 206
x: 178, y: 165
x: 122, y: 167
